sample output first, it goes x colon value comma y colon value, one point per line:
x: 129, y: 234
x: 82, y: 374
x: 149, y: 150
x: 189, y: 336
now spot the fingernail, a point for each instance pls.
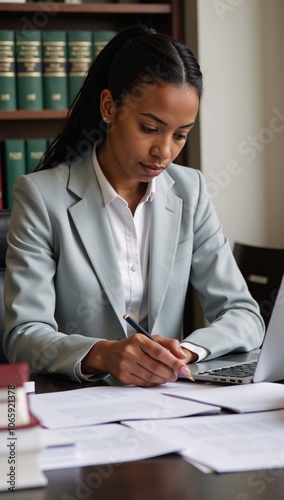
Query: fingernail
x: 185, y: 371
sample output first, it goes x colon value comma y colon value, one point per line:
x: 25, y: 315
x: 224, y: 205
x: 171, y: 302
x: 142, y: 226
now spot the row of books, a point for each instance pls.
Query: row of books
x: 18, y: 157
x: 20, y: 438
x: 45, y: 69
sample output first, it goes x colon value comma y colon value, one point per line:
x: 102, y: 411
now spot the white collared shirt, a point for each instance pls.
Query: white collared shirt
x: 131, y: 236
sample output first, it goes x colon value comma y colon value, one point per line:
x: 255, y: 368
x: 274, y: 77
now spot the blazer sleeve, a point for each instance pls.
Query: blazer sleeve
x: 233, y: 316
x: 31, y: 329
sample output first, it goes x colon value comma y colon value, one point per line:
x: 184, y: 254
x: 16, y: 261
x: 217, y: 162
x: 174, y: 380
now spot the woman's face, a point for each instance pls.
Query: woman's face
x: 147, y: 133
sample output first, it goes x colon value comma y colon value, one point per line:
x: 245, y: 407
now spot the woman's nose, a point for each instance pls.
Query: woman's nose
x: 161, y: 149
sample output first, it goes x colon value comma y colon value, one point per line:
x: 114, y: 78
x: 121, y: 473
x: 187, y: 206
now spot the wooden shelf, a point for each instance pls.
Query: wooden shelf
x: 89, y: 8
x: 28, y: 124
x: 166, y: 16
x: 22, y: 114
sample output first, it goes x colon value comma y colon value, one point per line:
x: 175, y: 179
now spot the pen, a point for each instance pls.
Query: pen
x: 138, y: 328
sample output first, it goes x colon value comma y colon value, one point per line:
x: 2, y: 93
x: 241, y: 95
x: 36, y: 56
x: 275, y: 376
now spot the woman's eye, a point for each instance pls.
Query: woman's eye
x: 148, y: 130
x: 181, y: 137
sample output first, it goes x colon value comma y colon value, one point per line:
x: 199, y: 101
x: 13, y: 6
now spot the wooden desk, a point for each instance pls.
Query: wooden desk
x: 163, y: 478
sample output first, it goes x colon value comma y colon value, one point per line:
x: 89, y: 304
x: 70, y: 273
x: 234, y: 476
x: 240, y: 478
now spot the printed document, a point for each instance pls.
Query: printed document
x: 100, y: 405
x: 225, y: 443
x: 262, y: 396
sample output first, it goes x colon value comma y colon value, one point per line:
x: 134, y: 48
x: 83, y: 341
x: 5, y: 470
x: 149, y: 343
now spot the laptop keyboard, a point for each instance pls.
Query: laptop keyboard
x: 239, y: 371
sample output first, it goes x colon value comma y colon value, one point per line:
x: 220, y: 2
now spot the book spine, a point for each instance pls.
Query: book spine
x: 35, y: 149
x: 14, y: 166
x: 80, y: 55
x: 55, y: 69
x: 7, y: 71
x: 29, y: 70
x: 101, y: 38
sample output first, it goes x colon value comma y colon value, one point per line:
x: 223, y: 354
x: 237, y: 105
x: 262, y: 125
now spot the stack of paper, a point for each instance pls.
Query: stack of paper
x: 137, y: 423
x: 75, y: 416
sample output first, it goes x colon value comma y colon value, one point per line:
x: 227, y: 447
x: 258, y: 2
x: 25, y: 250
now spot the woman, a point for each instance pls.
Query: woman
x: 108, y: 226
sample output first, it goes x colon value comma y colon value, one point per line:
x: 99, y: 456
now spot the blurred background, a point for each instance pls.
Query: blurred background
x: 239, y: 144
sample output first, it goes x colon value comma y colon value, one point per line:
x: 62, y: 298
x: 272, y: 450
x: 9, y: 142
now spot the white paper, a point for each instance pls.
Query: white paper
x: 51, y: 438
x: 170, y: 388
x: 262, y: 396
x: 225, y: 443
x: 105, y: 444
x: 98, y: 405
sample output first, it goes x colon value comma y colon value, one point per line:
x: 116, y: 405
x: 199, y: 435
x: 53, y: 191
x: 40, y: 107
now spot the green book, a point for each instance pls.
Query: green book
x: 101, y: 38
x: 54, y: 47
x: 80, y: 56
x: 14, y: 166
x: 29, y: 70
x: 35, y: 149
x: 7, y: 71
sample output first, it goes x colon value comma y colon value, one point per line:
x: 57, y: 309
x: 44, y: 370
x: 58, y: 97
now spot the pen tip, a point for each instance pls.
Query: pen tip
x: 125, y: 316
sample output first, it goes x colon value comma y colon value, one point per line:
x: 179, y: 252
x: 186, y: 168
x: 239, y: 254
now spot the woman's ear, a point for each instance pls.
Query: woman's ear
x: 107, y: 106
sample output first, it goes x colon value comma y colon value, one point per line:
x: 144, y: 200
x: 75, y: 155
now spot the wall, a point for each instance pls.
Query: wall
x: 240, y: 45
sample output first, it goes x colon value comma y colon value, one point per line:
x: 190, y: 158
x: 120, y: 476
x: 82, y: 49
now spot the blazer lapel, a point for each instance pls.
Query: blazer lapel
x: 91, y: 221
x: 165, y: 227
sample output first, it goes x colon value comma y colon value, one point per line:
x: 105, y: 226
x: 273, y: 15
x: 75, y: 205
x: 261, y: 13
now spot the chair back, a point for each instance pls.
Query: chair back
x: 262, y: 269
x: 4, y: 226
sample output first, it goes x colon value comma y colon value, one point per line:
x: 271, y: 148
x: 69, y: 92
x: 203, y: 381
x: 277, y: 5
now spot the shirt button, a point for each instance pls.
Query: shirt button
x: 133, y: 309
x: 133, y: 268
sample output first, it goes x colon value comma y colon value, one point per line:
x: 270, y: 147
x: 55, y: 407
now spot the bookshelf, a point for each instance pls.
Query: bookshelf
x: 165, y: 16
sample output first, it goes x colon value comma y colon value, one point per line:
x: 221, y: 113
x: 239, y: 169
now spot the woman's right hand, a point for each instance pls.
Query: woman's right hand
x: 136, y: 360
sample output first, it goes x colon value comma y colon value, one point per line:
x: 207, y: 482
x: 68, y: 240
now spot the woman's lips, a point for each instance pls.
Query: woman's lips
x: 152, y: 169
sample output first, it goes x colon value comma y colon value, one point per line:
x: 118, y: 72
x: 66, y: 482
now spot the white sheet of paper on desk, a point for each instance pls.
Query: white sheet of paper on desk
x: 262, y: 396
x: 106, y: 444
x: 99, y: 405
x: 226, y: 443
x: 170, y: 388
x: 57, y: 449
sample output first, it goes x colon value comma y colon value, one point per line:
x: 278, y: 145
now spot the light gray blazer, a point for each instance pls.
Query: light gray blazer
x: 63, y: 289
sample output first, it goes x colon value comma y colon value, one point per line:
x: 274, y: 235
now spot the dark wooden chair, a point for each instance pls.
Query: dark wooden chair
x: 263, y: 269
x: 4, y: 226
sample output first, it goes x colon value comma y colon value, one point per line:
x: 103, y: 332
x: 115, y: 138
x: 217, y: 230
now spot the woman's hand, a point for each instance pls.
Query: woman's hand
x: 137, y: 360
x: 175, y: 348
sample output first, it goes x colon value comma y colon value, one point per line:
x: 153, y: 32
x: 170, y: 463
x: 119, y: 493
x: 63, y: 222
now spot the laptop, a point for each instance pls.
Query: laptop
x: 262, y: 365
